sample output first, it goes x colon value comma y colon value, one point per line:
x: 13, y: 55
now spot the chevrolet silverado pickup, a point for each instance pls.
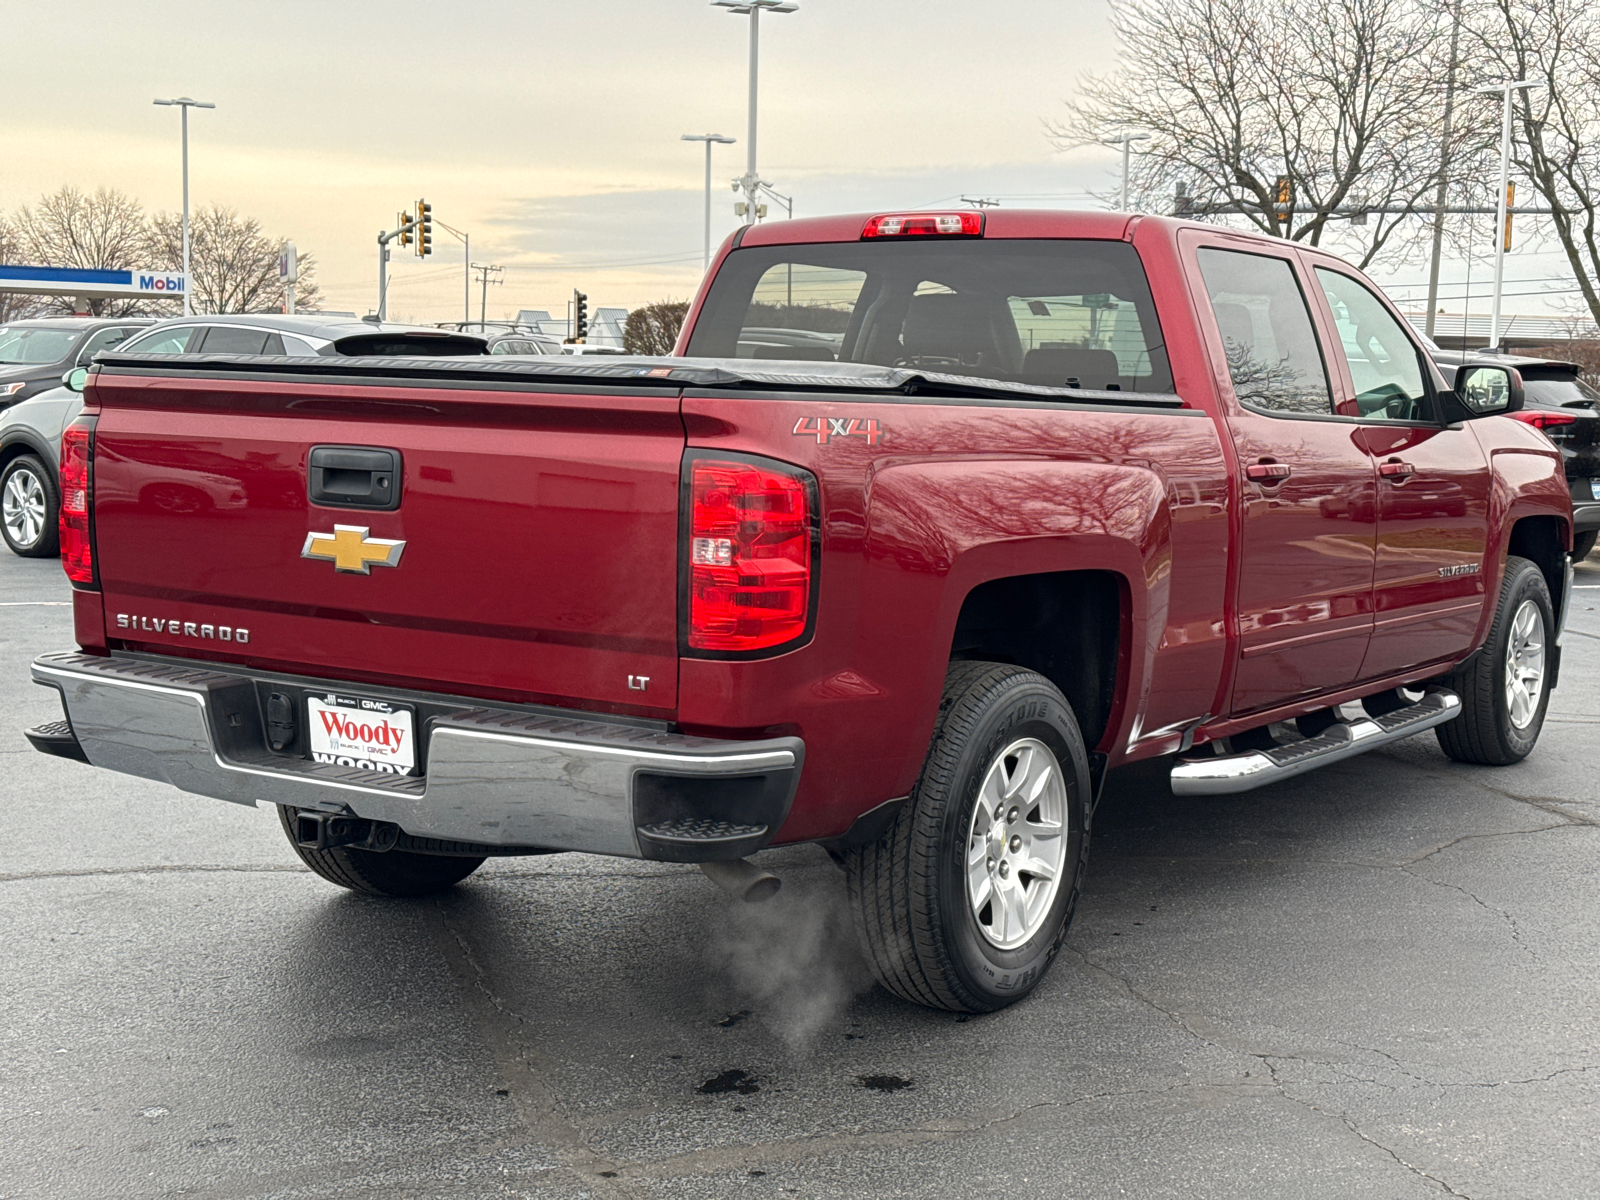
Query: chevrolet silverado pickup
x: 930, y: 520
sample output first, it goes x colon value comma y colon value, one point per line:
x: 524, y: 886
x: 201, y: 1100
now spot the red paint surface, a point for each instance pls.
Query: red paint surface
x: 543, y: 550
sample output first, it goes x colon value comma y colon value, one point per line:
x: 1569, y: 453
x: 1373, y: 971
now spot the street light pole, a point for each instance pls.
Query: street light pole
x: 1444, y: 167
x: 185, y: 104
x: 709, y: 139
x: 751, y: 182
x: 1126, y: 141
x: 1505, y: 90
x: 466, y: 261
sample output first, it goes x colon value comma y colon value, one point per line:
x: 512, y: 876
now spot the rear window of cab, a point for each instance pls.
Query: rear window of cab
x: 1058, y: 312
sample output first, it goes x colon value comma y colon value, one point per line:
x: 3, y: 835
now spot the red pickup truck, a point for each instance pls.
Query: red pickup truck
x: 931, y: 520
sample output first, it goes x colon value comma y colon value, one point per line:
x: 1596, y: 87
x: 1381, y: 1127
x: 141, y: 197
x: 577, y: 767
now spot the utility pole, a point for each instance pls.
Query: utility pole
x: 1444, y: 166
x: 708, y: 139
x: 750, y: 182
x: 484, y: 271
x: 185, y: 104
x: 1505, y: 90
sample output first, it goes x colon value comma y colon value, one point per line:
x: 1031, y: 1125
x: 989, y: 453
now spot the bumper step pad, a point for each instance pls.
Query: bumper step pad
x: 57, y: 738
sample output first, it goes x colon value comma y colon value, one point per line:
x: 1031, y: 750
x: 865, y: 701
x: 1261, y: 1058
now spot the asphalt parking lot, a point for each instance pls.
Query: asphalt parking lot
x: 1382, y: 980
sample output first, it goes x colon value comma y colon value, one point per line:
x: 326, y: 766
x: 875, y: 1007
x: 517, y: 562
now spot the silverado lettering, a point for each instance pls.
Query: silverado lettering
x: 1156, y: 490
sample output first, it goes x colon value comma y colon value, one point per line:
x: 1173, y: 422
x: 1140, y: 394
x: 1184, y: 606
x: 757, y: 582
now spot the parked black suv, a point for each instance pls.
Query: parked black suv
x: 34, y: 354
x: 1568, y: 410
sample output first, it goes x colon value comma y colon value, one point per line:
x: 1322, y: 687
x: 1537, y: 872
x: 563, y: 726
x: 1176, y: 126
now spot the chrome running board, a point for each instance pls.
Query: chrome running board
x: 1229, y: 773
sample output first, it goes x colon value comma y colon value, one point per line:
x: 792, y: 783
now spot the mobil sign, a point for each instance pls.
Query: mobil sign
x: 159, y: 281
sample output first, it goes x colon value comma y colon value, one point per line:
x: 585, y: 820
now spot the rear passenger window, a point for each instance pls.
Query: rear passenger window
x: 226, y: 339
x: 1267, y: 335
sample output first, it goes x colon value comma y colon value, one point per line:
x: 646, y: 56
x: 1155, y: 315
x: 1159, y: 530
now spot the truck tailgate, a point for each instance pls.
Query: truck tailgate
x: 539, y: 528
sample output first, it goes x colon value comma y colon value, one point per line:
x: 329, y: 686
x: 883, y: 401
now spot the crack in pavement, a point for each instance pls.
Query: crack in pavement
x: 157, y: 869
x: 1184, y: 1023
x: 502, y: 1029
x: 1282, y: 1088
x: 746, y: 1154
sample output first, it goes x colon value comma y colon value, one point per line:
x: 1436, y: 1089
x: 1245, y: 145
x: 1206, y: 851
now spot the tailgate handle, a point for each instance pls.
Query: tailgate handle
x: 354, y: 477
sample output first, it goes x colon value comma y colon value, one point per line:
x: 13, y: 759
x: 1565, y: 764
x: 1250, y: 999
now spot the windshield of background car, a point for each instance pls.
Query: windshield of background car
x: 1565, y: 393
x: 1063, y: 313
x: 23, y: 345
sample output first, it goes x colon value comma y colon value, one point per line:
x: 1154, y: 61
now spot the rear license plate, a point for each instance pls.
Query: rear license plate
x: 355, y: 731
x: 1594, y: 488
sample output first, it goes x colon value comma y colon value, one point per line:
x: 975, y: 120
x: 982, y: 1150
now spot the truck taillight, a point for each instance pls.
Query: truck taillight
x: 951, y: 224
x: 751, y: 547
x: 77, y: 501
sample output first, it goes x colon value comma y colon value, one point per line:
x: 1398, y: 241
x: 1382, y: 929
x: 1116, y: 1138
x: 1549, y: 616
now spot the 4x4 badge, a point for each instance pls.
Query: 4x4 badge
x: 350, y: 549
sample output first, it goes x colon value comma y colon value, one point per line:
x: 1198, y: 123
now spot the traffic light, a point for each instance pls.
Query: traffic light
x: 580, y: 315
x: 424, y: 225
x: 403, y: 221
x: 1285, y: 196
x: 1511, y: 200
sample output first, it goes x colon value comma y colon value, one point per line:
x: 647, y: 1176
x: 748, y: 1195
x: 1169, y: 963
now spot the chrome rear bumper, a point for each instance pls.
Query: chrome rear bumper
x: 495, y: 777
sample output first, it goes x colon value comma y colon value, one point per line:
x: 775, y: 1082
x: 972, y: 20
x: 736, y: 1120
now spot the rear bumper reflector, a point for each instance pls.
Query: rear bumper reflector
x: 501, y: 777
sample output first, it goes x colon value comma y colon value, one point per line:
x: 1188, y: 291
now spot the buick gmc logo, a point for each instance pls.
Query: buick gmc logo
x: 173, y: 627
x: 161, y: 283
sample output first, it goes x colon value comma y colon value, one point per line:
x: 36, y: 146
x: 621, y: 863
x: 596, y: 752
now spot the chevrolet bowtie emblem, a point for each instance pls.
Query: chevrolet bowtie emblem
x: 350, y: 549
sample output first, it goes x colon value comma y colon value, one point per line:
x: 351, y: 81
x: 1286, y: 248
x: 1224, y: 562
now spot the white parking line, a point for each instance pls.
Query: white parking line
x: 35, y: 603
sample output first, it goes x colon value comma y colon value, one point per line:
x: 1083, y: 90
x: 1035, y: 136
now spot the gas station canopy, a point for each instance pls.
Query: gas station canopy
x: 90, y: 284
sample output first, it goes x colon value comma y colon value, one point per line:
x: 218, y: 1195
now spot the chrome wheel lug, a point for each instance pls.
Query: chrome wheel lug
x: 1016, y: 842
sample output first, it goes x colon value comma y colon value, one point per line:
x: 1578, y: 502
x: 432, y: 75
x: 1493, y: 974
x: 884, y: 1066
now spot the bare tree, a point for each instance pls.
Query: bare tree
x: 14, y: 304
x: 1341, y: 98
x: 654, y: 328
x: 1556, y: 140
x: 233, y: 263
x: 104, y: 230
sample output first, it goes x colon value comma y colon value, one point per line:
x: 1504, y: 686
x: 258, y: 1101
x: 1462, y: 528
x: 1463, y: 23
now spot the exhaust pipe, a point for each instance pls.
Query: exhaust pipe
x: 742, y: 879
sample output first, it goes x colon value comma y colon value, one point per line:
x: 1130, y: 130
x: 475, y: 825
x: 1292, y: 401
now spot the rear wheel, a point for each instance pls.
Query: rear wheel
x: 389, y: 873
x: 965, y: 901
x: 29, y: 509
x: 1504, y: 687
x: 1583, y: 543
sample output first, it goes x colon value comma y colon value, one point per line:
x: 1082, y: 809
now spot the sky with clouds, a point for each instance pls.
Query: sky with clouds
x: 549, y: 132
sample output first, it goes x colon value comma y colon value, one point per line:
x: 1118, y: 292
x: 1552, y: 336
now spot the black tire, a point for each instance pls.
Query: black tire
x: 390, y: 873
x: 1583, y: 543
x: 30, y: 474
x: 909, y: 891
x: 1485, y: 732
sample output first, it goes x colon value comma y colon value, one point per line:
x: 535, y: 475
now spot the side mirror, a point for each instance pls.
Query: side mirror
x: 1485, y: 389
x: 76, y: 378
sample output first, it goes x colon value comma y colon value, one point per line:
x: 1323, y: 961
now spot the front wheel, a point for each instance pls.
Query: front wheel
x: 1504, y: 688
x: 386, y: 873
x: 965, y: 901
x: 1583, y: 544
x: 28, y: 508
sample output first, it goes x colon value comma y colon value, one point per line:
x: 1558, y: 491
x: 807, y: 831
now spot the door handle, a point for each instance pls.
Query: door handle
x: 354, y: 477
x: 1396, y: 471
x: 1268, y: 472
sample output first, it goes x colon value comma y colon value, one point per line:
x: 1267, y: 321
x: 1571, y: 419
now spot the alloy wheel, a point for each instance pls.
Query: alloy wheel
x: 1016, y: 843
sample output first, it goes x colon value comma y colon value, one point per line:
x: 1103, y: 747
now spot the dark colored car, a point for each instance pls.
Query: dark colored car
x: 35, y: 353
x: 301, y: 335
x: 1568, y: 411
